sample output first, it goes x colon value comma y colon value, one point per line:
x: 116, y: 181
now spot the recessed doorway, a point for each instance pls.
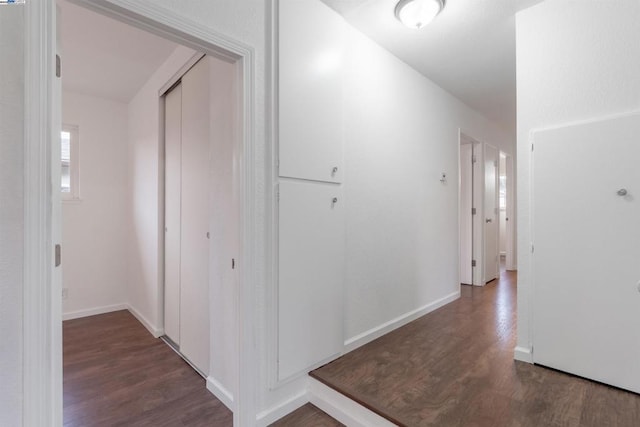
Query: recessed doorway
x: 113, y: 87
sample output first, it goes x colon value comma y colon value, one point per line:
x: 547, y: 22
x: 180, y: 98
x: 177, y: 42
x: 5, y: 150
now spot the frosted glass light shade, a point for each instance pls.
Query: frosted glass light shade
x: 418, y: 13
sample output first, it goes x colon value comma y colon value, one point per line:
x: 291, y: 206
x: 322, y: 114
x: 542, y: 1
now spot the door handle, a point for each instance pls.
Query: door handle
x: 488, y: 220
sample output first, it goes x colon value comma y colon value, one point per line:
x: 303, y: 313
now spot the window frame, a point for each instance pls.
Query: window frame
x: 74, y: 164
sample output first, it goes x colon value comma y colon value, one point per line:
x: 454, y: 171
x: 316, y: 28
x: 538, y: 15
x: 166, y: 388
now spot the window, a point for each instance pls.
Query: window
x: 69, y: 185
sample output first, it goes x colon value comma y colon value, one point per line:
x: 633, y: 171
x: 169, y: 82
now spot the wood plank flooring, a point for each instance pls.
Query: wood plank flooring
x: 307, y: 416
x: 117, y: 374
x: 455, y: 367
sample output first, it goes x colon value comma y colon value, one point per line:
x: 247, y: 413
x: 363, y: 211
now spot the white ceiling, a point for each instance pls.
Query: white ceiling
x: 105, y: 58
x: 469, y: 49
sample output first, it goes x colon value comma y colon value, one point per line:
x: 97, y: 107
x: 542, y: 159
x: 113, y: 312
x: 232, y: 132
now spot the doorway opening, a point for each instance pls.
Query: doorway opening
x: 469, y: 212
x: 486, y: 190
x: 507, y: 213
x: 491, y: 255
x: 114, y: 85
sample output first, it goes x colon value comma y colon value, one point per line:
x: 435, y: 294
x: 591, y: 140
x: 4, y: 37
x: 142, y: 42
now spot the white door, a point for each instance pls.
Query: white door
x: 466, y: 217
x: 310, y: 63
x: 491, y: 216
x: 311, y: 272
x: 586, y: 269
x: 194, y: 259
x: 173, y: 138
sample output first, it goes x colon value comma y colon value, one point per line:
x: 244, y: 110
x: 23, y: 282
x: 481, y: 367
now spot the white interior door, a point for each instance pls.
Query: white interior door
x: 586, y: 225
x: 491, y: 213
x: 172, y: 184
x: 194, y: 266
x: 466, y: 217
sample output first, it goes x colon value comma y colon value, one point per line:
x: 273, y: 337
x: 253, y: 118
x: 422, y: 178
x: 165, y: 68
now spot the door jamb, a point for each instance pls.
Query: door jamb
x: 42, y: 392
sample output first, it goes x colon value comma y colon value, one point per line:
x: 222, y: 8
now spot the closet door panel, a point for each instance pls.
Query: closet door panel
x: 173, y: 137
x: 310, y: 92
x: 194, y: 301
x: 311, y: 273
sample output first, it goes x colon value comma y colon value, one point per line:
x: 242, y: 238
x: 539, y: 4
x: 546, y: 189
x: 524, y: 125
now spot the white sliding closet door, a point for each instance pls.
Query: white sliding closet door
x: 173, y: 138
x: 194, y: 272
x: 187, y: 215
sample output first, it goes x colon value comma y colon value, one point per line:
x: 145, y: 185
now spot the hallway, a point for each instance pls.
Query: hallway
x: 455, y: 367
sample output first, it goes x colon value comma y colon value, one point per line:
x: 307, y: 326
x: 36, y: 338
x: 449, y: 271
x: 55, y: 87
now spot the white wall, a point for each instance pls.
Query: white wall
x: 144, y: 266
x: 94, y: 229
x: 11, y: 213
x: 402, y: 222
x: 575, y: 61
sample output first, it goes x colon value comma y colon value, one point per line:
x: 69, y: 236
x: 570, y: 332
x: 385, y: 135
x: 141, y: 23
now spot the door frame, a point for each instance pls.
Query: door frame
x: 42, y: 338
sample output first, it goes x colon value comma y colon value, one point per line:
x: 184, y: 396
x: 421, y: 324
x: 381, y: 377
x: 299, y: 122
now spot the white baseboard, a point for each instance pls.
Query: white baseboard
x: 342, y: 408
x: 93, y: 311
x: 157, y: 333
x: 219, y: 391
x: 385, y: 328
x: 272, y: 415
x: 523, y: 354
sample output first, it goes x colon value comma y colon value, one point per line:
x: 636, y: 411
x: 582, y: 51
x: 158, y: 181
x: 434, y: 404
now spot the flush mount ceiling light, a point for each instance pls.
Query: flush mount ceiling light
x: 418, y: 13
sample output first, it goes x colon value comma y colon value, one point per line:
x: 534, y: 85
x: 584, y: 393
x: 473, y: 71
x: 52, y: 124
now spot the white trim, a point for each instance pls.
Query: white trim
x: 342, y: 408
x: 93, y: 311
x: 42, y: 318
x: 271, y: 207
x: 385, y: 328
x: 271, y: 415
x: 219, y: 391
x: 156, y: 332
x: 523, y: 354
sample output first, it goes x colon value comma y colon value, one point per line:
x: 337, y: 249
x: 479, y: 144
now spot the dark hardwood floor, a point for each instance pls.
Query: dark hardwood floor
x: 455, y: 367
x: 117, y: 374
x: 307, y: 416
